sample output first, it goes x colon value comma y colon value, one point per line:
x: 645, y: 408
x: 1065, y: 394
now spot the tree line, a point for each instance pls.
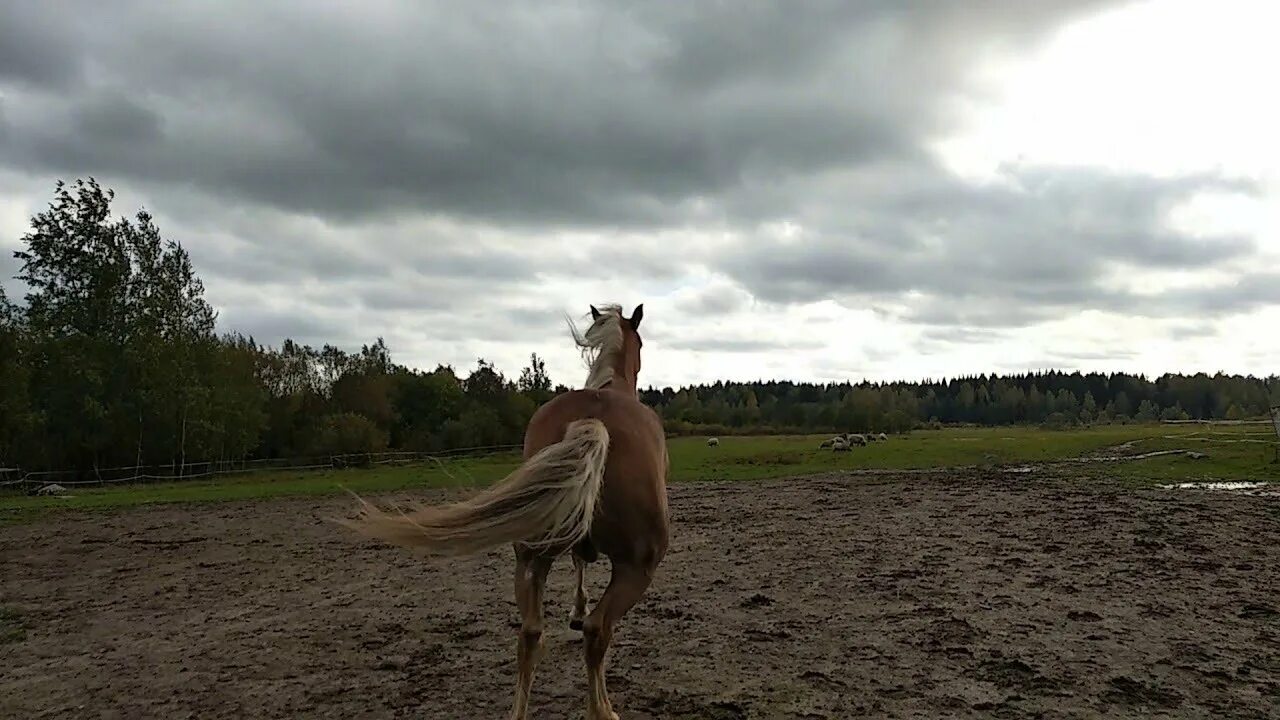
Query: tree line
x: 112, y: 359
x: 1053, y: 399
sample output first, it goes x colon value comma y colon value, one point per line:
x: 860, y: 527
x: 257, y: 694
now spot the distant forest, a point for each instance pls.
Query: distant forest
x: 113, y: 360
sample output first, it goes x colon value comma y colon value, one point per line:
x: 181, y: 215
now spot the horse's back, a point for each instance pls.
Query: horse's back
x: 631, y: 520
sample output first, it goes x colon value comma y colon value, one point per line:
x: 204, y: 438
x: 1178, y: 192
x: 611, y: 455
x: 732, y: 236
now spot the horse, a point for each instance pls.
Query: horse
x: 593, y: 481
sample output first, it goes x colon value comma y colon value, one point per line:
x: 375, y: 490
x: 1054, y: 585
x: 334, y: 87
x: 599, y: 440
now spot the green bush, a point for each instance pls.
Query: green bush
x: 346, y: 433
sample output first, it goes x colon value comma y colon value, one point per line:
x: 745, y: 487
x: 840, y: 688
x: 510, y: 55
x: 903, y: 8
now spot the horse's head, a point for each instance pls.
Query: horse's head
x: 626, y: 363
x: 611, y: 347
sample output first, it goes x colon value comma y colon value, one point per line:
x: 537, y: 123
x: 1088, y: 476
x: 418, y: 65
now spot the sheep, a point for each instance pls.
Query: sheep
x: 839, y: 445
x: 713, y: 442
x: 857, y: 439
x: 883, y: 437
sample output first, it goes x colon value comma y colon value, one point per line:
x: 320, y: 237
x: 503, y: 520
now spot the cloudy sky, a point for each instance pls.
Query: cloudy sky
x: 818, y: 191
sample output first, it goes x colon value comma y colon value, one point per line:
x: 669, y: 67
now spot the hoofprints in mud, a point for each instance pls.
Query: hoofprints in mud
x: 950, y: 594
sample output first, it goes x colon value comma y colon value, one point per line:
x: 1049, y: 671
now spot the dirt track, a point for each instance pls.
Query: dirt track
x: 822, y: 598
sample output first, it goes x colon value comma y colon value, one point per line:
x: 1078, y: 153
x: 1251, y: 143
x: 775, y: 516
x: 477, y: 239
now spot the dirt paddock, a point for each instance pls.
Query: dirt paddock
x: 911, y: 596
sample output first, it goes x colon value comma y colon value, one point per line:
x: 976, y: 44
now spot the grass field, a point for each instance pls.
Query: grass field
x: 1230, y: 456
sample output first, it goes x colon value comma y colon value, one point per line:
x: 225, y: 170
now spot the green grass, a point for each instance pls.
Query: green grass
x: 12, y: 628
x: 755, y: 458
x: 743, y: 458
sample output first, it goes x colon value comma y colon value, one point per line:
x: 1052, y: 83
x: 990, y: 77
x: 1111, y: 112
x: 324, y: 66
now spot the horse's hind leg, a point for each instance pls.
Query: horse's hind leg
x: 625, y: 588
x: 530, y: 579
x: 580, y: 594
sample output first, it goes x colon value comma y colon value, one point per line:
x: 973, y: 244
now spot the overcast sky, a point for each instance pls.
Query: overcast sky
x: 813, y: 191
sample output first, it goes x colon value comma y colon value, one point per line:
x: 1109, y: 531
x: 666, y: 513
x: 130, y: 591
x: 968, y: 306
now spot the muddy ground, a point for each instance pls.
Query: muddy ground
x: 909, y: 596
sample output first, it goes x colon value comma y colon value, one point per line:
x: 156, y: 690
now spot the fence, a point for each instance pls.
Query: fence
x: 17, y: 480
x: 1264, y: 437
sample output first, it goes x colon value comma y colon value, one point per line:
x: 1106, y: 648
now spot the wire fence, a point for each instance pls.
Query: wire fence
x: 16, y: 480
x: 1255, y: 421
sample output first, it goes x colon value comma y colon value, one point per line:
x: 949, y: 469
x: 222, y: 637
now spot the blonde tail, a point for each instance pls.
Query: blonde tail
x: 547, y: 502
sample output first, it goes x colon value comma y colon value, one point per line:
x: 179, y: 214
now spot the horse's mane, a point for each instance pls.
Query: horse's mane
x: 600, y: 344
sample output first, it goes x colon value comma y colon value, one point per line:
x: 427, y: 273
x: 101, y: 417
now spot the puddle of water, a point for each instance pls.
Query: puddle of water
x: 1234, y: 485
x: 1248, y: 487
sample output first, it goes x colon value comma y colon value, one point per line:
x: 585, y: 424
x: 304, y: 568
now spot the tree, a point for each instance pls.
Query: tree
x: 1088, y: 409
x: 15, y: 408
x: 534, y: 381
x: 119, y: 335
x: 424, y: 403
x: 1147, y: 412
x: 751, y: 408
x: 485, y: 384
x: 1122, y: 404
x: 346, y: 433
x: 1067, y: 404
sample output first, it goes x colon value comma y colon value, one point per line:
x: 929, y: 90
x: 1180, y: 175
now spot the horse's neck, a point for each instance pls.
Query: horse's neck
x: 621, y: 383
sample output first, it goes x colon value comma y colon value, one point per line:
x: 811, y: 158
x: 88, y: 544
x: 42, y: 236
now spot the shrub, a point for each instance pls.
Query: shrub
x: 344, y: 433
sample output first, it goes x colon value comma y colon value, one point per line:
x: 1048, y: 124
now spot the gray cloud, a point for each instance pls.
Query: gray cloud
x: 741, y: 345
x: 962, y: 335
x: 9, y: 265
x: 1193, y: 331
x: 1247, y: 292
x: 572, y: 114
x: 427, y: 170
x: 716, y: 300
x: 32, y: 47
x: 270, y: 327
x: 1085, y: 355
x: 997, y: 255
x: 115, y: 118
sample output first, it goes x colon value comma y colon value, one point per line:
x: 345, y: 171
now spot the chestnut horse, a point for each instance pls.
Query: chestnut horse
x: 593, y: 481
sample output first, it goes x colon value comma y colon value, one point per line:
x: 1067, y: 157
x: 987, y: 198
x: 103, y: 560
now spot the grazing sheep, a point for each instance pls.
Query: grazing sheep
x: 713, y: 442
x: 857, y: 439
x: 826, y: 443
x: 839, y: 445
x: 871, y: 437
x: 883, y: 437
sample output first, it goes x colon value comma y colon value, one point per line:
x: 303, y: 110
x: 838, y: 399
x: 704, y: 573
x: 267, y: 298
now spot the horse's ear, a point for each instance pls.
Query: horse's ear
x: 637, y: 316
x: 595, y: 314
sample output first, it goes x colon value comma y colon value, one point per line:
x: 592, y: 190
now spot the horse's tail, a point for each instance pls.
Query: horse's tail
x: 547, y: 502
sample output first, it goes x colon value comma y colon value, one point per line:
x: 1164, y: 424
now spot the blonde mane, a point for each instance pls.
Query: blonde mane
x: 601, y: 345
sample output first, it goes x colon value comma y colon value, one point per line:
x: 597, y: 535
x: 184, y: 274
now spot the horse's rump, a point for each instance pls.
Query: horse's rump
x: 631, y: 515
